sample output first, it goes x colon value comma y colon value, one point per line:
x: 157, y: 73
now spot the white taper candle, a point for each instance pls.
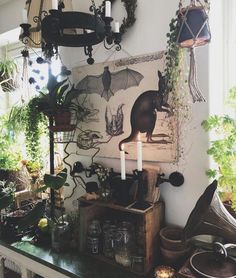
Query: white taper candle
x: 24, y: 16
x: 122, y: 163
x: 139, y: 154
x: 54, y: 4
x: 117, y: 27
x: 108, y: 9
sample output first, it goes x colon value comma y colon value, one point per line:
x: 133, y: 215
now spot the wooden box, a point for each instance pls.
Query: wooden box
x: 149, y: 221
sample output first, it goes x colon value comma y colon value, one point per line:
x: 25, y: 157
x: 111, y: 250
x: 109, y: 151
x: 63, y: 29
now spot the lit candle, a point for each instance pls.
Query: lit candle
x: 139, y: 154
x: 54, y: 4
x: 122, y: 163
x: 117, y: 27
x: 108, y: 9
x: 24, y: 16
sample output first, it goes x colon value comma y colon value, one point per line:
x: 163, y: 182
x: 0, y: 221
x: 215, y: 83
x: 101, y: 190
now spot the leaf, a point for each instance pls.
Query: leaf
x: 61, y: 92
x: 32, y: 217
x: 56, y: 181
x: 73, y: 93
x: 41, y: 189
x: 211, y: 173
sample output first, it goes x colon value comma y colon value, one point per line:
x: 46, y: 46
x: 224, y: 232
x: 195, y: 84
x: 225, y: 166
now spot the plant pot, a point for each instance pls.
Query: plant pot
x: 62, y: 118
x: 171, y: 238
x: 174, y: 250
x: 175, y: 258
x: 60, y: 236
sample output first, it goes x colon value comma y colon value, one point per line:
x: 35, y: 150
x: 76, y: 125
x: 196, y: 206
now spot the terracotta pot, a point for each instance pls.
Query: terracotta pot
x: 171, y: 238
x: 175, y: 258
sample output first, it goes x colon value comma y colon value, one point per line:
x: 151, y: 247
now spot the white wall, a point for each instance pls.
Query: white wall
x: 146, y: 36
x: 11, y: 15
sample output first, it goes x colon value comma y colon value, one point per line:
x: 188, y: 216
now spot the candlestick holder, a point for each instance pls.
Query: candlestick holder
x: 140, y: 204
x: 121, y: 189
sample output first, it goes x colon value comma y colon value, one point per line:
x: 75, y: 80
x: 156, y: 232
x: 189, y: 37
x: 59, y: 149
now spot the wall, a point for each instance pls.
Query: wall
x: 146, y: 36
x: 11, y: 15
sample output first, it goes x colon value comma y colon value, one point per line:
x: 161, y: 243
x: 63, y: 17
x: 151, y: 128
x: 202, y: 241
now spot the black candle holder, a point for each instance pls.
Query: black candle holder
x: 140, y: 204
x: 121, y: 189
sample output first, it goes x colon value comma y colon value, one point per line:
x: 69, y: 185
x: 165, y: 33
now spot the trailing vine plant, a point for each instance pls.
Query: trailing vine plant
x: 173, y: 57
x: 35, y: 126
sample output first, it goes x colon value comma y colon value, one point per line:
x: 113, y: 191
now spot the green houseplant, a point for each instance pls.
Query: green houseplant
x: 26, y: 118
x: 223, y: 150
x: 56, y: 100
x: 10, y: 154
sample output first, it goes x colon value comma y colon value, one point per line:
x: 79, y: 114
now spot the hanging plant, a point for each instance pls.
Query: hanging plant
x: 173, y: 57
x: 35, y: 126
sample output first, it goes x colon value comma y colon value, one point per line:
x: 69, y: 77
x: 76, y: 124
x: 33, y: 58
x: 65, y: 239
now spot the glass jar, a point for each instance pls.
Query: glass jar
x: 94, y: 237
x: 94, y: 228
x: 137, y: 264
x: 60, y: 236
x: 123, y: 246
x: 108, y: 241
x: 93, y: 245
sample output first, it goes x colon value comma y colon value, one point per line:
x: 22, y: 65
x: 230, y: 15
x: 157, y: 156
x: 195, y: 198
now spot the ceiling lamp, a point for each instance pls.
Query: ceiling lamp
x: 193, y: 31
x: 59, y: 27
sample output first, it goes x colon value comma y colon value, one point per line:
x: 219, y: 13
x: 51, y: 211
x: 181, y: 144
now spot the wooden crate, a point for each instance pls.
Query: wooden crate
x: 151, y: 220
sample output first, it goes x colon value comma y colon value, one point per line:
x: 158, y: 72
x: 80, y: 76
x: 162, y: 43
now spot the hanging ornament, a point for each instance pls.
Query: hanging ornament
x: 193, y: 31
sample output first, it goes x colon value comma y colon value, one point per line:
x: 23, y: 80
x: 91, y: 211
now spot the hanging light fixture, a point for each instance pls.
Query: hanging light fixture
x: 56, y: 27
x: 193, y: 31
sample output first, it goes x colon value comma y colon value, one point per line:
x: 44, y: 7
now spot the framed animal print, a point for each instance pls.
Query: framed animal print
x: 121, y: 100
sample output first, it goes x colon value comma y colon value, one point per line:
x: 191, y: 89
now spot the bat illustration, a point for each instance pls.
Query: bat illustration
x: 114, y: 123
x: 108, y: 83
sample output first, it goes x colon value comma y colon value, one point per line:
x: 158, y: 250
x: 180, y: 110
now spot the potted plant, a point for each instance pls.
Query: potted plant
x: 8, y: 70
x: 59, y: 227
x: 56, y: 101
x: 223, y: 151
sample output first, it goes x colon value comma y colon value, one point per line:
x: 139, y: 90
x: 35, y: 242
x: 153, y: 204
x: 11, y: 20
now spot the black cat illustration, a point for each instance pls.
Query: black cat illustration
x: 144, y: 112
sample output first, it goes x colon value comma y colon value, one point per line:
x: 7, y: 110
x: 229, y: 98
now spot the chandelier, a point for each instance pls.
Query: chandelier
x: 55, y: 26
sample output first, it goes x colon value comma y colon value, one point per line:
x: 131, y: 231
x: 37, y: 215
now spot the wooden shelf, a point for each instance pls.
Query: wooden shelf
x: 118, y: 207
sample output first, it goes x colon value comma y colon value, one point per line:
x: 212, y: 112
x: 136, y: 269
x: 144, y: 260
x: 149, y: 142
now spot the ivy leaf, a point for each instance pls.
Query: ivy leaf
x: 211, y: 173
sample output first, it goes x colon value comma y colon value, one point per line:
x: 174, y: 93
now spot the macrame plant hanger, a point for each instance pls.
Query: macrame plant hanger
x: 193, y: 31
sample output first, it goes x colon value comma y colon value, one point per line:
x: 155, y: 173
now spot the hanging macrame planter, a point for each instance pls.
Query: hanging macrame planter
x: 193, y: 31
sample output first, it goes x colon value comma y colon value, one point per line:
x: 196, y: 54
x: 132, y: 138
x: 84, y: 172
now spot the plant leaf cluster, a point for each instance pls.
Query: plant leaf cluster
x: 10, y: 154
x: 54, y: 181
x: 173, y: 56
x: 57, y: 96
x: 223, y: 151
